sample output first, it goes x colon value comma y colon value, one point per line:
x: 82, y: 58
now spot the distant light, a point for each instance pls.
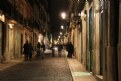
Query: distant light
x: 79, y: 14
x: 62, y: 27
x: 2, y: 17
x: 59, y: 36
x: 56, y: 48
x: 40, y: 37
x: 63, y: 15
x: 60, y: 33
x: 11, y: 25
x: 83, y: 14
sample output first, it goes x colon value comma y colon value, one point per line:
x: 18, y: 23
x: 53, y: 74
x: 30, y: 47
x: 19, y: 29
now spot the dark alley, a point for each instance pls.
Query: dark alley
x: 60, y: 40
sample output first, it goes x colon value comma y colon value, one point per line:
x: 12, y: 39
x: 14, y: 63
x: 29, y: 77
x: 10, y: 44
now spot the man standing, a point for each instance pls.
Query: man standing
x: 26, y: 50
x: 60, y: 47
x: 42, y: 49
x: 30, y: 51
x: 38, y: 48
x: 70, y: 49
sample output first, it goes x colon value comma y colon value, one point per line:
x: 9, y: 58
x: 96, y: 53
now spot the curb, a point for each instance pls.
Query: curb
x: 70, y: 69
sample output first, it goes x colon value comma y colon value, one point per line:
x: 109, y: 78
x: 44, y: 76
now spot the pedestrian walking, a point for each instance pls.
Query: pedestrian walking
x: 30, y: 51
x: 38, y: 48
x: 52, y: 48
x: 42, y: 49
x: 26, y: 50
x: 60, y: 47
x: 70, y: 49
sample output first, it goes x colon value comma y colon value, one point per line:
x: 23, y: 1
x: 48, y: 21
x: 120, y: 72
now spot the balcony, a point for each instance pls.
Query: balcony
x: 11, y: 12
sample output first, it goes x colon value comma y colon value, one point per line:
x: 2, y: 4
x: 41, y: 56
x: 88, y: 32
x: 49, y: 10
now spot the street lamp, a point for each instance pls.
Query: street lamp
x: 63, y: 15
x: 58, y: 36
x: 79, y: 14
x: 60, y: 33
x: 11, y: 25
x: 62, y: 27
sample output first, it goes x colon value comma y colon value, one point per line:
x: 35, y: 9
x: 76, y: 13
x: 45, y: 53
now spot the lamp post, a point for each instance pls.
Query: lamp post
x: 63, y: 15
x: 62, y: 27
x: 65, y: 28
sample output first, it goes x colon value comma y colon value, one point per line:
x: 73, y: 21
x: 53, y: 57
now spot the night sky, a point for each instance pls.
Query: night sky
x: 55, y: 9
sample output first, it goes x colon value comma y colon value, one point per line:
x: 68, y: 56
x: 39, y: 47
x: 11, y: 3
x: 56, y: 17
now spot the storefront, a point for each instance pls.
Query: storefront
x: 15, y: 40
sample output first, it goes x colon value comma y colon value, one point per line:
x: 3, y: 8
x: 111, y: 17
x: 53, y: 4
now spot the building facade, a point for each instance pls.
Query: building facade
x: 19, y: 23
x: 97, y: 45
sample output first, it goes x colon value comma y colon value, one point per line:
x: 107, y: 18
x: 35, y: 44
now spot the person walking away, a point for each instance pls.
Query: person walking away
x: 30, y: 51
x: 42, y: 49
x: 70, y: 49
x: 26, y: 50
x: 60, y: 47
x: 38, y: 48
x: 52, y: 48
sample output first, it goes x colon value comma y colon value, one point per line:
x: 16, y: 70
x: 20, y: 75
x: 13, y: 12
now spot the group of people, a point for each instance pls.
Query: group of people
x: 28, y: 49
x: 40, y: 49
x: 69, y: 48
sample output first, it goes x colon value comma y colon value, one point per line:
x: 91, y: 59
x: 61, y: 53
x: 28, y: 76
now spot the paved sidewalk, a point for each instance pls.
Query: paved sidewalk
x: 47, y: 69
x: 9, y: 64
x: 78, y: 72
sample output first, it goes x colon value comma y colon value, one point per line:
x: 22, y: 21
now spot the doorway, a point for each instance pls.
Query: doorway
x: 101, y: 38
x: 90, y: 39
x: 11, y: 48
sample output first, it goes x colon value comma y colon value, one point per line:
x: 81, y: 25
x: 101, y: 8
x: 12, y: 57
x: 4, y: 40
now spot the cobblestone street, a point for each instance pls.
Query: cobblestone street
x: 48, y: 69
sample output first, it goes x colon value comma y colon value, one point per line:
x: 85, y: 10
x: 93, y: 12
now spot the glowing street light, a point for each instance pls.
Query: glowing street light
x: 79, y: 14
x: 11, y: 25
x: 62, y: 27
x: 60, y: 33
x: 59, y: 36
x: 63, y: 15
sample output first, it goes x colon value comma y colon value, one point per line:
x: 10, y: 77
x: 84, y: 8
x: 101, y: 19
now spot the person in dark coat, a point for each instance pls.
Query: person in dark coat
x: 30, y: 51
x: 52, y: 48
x: 60, y: 47
x: 26, y: 50
x: 43, y: 46
x: 42, y: 49
x: 38, y: 48
x: 70, y: 49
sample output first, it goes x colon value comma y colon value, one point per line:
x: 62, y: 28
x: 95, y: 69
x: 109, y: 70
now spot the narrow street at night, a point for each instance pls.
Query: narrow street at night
x: 60, y: 40
x: 48, y: 69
